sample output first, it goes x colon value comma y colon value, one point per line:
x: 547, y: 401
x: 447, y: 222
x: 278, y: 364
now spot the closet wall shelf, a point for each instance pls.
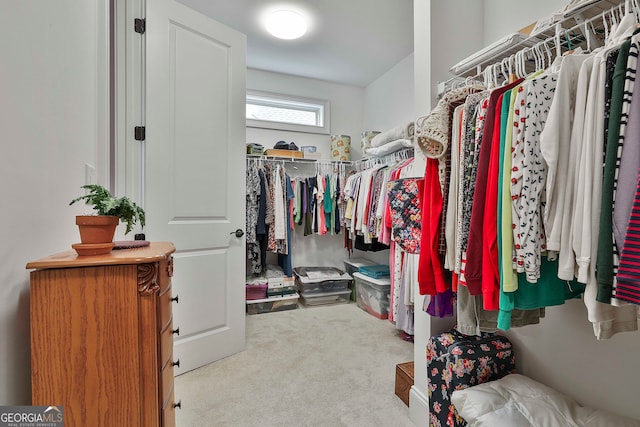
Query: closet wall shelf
x: 295, y: 159
x: 365, y: 163
x: 561, y: 27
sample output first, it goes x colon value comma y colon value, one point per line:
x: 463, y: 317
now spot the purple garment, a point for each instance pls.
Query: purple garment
x: 628, y: 172
x: 304, y: 197
x: 441, y: 304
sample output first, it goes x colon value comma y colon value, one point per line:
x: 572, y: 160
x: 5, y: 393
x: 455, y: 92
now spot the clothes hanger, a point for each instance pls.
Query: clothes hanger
x: 557, y: 30
x: 606, y: 27
x: 503, y: 71
x: 510, y: 69
x: 548, y: 51
x: 485, y: 76
x: 519, y: 63
x: 534, y: 55
x: 496, y: 73
x: 543, y: 59
x: 614, y: 20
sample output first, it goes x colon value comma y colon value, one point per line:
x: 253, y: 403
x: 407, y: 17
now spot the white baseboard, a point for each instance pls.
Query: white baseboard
x: 418, y: 408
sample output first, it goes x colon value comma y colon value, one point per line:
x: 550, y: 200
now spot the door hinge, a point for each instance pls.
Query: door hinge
x: 139, y: 133
x: 139, y: 25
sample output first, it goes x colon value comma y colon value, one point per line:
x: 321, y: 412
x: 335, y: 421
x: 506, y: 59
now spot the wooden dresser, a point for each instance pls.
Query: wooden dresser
x: 102, y: 337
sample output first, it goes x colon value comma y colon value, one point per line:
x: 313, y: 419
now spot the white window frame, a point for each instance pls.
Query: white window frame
x: 321, y: 107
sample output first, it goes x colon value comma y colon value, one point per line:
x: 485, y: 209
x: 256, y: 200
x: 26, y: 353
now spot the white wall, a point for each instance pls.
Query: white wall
x: 502, y: 17
x: 562, y: 351
x: 49, y: 118
x: 389, y: 100
x: 456, y: 31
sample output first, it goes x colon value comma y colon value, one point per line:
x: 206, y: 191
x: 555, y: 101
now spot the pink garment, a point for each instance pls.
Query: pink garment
x: 322, y: 223
x: 392, y: 258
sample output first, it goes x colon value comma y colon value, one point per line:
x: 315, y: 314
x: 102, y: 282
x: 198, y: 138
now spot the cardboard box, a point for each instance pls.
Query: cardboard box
x: 283, y: 153
x: 404, y: 381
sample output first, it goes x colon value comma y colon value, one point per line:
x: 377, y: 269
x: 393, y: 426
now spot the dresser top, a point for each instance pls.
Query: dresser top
x: 156, y: 251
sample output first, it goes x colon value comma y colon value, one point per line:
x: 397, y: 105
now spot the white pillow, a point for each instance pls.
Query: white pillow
x: 519, y: 401
x: 389, y: 147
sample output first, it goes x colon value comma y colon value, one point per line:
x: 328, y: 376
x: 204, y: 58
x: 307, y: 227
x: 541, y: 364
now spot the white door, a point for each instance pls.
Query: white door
x: 194, y: 174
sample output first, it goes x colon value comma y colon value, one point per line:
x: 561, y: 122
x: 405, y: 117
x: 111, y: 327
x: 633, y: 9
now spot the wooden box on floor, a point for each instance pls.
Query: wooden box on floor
x: 404, y: 380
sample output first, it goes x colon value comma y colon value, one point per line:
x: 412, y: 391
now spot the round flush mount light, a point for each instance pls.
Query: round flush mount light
x: 286, y: 24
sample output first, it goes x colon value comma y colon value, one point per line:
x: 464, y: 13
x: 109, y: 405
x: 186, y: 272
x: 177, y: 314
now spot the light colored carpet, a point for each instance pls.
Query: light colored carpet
x: 318, y: 366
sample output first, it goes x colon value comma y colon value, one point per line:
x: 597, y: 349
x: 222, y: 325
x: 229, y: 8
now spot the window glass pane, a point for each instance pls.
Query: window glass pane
x: 281, y: 114
x: 285, y: 112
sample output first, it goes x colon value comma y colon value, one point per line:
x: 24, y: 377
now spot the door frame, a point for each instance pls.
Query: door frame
x: 127, y: 55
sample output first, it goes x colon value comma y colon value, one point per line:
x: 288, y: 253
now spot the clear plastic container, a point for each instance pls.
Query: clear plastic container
x: 321, y: 279
x: 311, y: 299
x: 372, y: 295
x: 353, y: 264
x: 270, y: 305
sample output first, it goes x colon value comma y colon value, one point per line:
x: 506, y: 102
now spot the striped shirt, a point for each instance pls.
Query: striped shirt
x: 628, y: 286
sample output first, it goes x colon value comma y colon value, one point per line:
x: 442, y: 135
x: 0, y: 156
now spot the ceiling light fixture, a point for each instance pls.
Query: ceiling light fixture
x: 286, y: 24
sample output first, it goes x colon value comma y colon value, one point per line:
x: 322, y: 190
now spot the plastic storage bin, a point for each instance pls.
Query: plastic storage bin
x: 372, y: 295
x: 352, y: 265
x: 321, y: 279
x: 375, y: 271
x: 270, y: 305
x: 256, y: 291
x: 311, y: 299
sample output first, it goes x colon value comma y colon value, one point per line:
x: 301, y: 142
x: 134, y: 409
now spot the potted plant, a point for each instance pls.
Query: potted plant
x: 99, y: 229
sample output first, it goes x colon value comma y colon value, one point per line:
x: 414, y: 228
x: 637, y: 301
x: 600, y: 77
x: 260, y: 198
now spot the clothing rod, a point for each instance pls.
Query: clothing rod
x: 280, y: 159
x: 404, y: 153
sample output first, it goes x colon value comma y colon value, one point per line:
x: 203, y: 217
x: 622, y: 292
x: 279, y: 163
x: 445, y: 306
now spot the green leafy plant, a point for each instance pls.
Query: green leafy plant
x: 105, y: 204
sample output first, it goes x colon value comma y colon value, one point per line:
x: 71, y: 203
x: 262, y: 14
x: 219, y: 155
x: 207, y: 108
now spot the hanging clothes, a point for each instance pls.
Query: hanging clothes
x: 284, y: 259
x: 253, y: 193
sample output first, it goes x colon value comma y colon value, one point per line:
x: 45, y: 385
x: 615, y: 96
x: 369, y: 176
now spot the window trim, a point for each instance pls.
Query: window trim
x: 279, y: 100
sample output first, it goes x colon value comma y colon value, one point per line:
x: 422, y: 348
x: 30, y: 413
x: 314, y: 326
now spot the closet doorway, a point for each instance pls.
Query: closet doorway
x: 184, y: 81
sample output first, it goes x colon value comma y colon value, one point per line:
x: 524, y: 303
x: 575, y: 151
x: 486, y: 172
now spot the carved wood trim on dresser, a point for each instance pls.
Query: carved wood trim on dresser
x: 102, y: 336
x: 148, y: 279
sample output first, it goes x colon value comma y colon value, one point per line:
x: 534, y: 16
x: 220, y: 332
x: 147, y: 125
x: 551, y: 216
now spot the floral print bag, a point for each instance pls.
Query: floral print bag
x: 406, y: 213
x: 457, y: 361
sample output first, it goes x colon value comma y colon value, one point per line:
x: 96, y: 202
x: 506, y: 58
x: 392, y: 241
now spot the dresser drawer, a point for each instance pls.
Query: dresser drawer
x: 166, y: 343
x: 168, y: 416
x: 167, y: 382
x: 165, y: 308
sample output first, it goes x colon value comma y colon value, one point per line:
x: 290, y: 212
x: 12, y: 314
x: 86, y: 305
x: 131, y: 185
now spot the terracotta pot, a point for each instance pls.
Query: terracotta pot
x: 96, y: 228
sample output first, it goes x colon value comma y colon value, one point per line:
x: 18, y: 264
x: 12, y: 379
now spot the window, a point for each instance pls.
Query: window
x: 284, y: 112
